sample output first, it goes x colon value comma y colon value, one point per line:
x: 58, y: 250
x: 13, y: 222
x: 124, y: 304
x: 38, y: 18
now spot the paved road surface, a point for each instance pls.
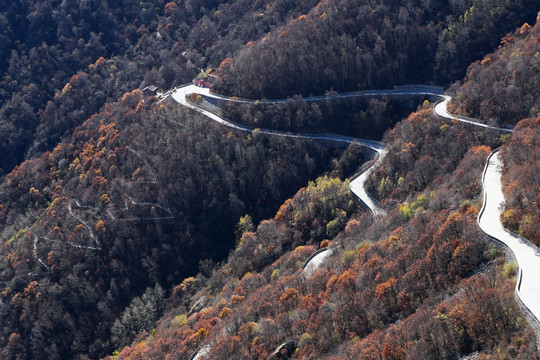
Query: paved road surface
x: 527, y: 256
x: 357, y: 185
x: 441, y: 109
x: 317, y: 261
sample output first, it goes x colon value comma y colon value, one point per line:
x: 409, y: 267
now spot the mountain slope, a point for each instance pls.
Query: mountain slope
x: 130, y: 44
x: 350, y: 45
x: 389, y: 288
x: 135, y: 195
x: 138, y: 197
x: 504, y: 86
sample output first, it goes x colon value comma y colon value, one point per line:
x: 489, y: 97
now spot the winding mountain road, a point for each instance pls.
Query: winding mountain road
x: 441, y: 110
x: 358, y: 182
x: 180, y: 96
x: 527, y: 256
x: 316, y: 260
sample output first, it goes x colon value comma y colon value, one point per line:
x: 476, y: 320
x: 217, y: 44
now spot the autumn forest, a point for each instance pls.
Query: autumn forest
x: 132, y: 227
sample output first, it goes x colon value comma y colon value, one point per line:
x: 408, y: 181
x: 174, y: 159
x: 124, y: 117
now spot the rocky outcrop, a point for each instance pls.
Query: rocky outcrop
x: 198, y: 305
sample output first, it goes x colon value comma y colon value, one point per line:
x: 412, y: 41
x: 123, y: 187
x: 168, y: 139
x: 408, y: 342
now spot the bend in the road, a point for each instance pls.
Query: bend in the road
x: 528, y: 257
x: 441, y: 109
x: 526, y: 254
x: 357, y: 184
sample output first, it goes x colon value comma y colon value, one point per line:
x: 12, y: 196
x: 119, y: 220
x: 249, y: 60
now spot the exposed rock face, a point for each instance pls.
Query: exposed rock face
x: 198, y: 305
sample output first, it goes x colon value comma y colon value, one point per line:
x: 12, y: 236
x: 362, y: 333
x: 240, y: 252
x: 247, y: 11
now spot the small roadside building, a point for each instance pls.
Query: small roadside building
x: 149, y: 91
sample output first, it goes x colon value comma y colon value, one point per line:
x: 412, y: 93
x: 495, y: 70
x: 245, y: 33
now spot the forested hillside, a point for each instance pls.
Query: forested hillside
x: 363, y: 117
x: 522, y: 176
x: 116, y: 208
x: 423, y: 283
x: 61, y: 61
x: 136, y: 198
x: 352, y: 45
x: 504, y: 86
x: 113, y: 47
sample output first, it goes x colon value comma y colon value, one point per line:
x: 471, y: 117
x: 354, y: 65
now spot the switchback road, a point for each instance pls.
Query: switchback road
x: 357, y: 183
x: 527, y: 256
